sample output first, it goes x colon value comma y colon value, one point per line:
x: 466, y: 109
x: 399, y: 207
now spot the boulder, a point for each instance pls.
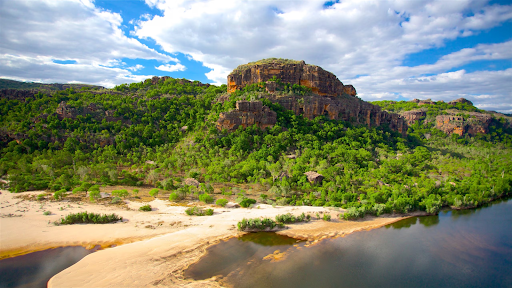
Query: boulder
x: 314, y: 177
x: 191, y: 182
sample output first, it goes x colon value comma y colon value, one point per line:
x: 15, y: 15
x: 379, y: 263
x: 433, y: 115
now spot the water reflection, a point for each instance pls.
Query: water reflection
x: 35, y: 269
x: 466, y: 248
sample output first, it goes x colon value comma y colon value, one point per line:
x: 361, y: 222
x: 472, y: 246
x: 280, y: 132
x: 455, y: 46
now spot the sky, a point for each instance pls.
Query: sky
x: 387, y: 49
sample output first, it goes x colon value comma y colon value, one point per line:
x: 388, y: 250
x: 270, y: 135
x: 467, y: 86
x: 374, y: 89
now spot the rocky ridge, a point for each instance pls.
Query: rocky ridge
x: 330, y: 97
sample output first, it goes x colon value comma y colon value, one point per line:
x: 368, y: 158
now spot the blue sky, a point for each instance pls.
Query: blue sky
x: 387, y: 49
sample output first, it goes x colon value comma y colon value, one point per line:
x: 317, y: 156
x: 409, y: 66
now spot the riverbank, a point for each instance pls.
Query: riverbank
x: 153, y: 248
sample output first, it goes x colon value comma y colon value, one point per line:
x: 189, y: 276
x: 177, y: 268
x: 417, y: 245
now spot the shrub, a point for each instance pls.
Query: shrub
x: 173, y: 196
x: 282, y: 201
x: 47, y: 213
x: 85, y: 217
x: 198, y: 211
x: 135, y: 192
x: 289, y: 218
x: 59, y: 194
x: 145, y: 208
x: 116, y: 200
x: 93, y: 195
x: 154, y: 192
x: 353, y: 213
x: 206, y: 198
x: 327, y: 217
x: 120, y: 193
x: 258, y: 224
x: 221, y: 202
x: 246, y: 202
x: 40, y: 197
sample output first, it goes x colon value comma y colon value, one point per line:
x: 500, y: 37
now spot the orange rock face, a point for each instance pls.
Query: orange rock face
x: 321, y: 82
x: 412, y: 116
x: 247, y: 113
x: 453, y: 124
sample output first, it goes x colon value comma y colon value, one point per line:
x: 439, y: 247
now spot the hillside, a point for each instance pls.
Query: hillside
x: 290, y: 143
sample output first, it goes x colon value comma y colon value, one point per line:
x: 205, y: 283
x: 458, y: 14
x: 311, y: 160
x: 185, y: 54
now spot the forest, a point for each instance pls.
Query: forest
x: 157, y: 134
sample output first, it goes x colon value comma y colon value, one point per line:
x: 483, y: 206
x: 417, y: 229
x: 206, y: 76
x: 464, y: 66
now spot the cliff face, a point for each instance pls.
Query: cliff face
x: 247, y: 113
x: 331, y: 99
x: 471, y: 124
x: 412, y: 116
x: 322, y: 83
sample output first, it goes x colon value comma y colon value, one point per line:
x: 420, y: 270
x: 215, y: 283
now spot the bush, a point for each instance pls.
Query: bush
x: 353, y: 213
x: 40, y: 197
x: 198, y: 211
x: 154, y: 192
x: 327, y: 217
x: 135, y: 192
x: 289, y: 218
x: 246, y: 202
x: 206, y: 198
x: 120, y: 193
x: 59, y: 194
x: 222, y: 202
x: 145, y: 208
x: 116, y: 200
x: 173, y: 196
x: 93, y: 195
x: 84, y: 217
x: 47, y: 213
x: 258, y: 224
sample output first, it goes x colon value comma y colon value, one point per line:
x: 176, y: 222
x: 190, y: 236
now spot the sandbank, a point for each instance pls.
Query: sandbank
x: 152, y: 249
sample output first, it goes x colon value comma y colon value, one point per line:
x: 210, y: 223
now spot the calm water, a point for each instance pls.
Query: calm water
x: 35, y: 269
x: 469, y: 248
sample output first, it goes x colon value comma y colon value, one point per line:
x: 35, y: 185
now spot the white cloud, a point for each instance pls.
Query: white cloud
x: 34, y: 32
x: 171, y: 68
x: 136, y: 67
x: 351, y: 38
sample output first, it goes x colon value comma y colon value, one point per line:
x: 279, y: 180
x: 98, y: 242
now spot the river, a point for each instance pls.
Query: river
x: 457, y: 248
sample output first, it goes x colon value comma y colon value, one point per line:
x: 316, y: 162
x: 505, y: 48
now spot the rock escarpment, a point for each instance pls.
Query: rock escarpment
x: 321, y: 82
x: 414, y: 115
x: 247, y: 113
x: 329, y: 96
x: 470, y: 124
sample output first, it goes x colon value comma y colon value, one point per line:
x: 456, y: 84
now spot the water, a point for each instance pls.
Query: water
x: 35, y: 269
x: 468, y: 248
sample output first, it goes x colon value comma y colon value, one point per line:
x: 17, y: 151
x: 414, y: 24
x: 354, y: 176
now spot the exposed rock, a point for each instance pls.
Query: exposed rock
x: 472, y: 125
x: 426, y: 102
x: 412, y: 116
x: 17, y: 94
x: 332, y: 99
x: 345, y: 108
x: 314, y: 177
x: 232, y: 205
x: 191, y: 182
x: 320, y: 81
x: 247, y: 113
x: 461, y: 100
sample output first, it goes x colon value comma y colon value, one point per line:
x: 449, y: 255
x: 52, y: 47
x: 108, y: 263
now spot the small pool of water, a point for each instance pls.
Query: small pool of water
x: 467, y: 248
x: 35, y: 269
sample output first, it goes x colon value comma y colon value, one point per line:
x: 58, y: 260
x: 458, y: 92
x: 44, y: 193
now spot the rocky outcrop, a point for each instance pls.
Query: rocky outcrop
x: 344, y: 108
x: 461, y: 100
x: 17, y: 94
x: 470, y: 124
x: 247, y: 113
x: 313, y: 177
x: 412, y: 116
x: 321, y: 82
x: 331, y: 98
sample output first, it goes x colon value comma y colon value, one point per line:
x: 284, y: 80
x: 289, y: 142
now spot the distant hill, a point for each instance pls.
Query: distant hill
x: 13, y: 84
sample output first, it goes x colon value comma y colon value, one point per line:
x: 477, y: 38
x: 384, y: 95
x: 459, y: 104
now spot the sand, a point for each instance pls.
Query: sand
x: 151, y: 248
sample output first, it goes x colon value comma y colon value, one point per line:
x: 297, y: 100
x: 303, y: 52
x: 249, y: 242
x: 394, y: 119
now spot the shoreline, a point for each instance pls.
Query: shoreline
x: 152, y: 248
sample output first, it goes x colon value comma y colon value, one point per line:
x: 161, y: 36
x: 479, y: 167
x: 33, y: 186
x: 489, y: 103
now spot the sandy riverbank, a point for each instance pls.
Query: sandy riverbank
x: 153, y: 248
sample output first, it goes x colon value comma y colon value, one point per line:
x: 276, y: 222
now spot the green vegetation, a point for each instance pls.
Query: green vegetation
x: 46, y: 213
x: 145, y: 208
x: 206, y: 198
x: 289, y: 218
x: 258, y: 224
x: 85, y: 217
x: 198, y: 211
x: 281, y: 61
x: 221, y: 202
x: 144, y: 141
x: 123, y: 193
x: 153, y: 192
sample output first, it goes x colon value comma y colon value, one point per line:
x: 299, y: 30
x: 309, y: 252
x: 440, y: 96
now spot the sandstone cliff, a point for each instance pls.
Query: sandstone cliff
x: 470, y: 123
x: 321, y: 82
x: 247, y: 113
x: 330, y: 97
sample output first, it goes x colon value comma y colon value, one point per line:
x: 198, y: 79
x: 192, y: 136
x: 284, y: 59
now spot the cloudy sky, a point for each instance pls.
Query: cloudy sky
x: 387, y: 49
